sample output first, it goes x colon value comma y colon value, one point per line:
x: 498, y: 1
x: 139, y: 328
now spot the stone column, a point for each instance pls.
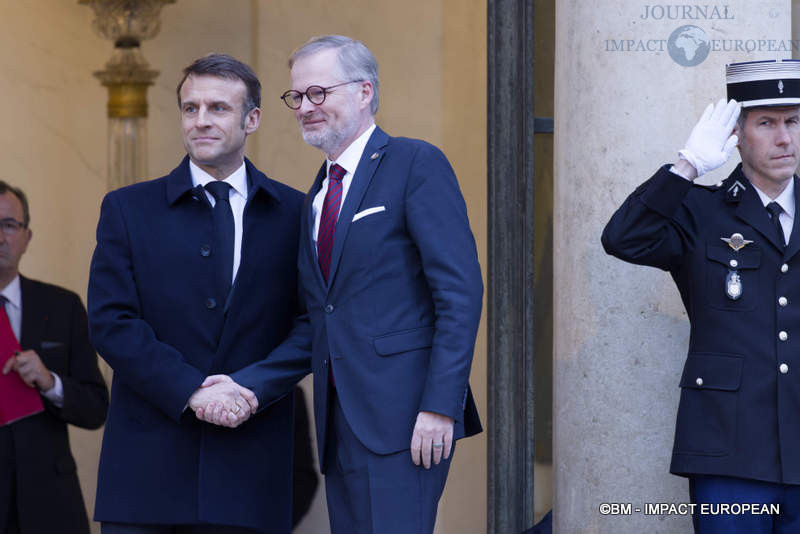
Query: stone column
x: 510, y: 272
x: 631, y: 80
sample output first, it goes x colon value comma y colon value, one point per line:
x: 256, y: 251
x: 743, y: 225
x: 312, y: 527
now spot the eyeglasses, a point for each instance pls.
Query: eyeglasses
x: 11, y: 226
x: 315, y: 93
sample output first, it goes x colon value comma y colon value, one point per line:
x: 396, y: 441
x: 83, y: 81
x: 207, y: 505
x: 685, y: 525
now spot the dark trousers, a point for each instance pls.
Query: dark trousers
x: 120, y: 528
x: 9, y: 522
x: 370, y: 493
x: 722, y: 504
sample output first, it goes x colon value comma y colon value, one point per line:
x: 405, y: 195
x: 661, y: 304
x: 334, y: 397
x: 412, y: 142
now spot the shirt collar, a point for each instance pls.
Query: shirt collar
x: 785, y: 200
x: 352, y: 154
x: 237, y: 179
x: 13, y: 293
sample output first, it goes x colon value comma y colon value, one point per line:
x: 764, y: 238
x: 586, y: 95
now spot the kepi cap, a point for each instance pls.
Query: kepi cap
x: 775, y: 82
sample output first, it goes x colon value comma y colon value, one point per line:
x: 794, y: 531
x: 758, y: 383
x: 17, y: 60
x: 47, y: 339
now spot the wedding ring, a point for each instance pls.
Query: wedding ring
x: 438, y: 445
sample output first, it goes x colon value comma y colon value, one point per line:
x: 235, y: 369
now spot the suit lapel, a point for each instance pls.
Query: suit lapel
x: 34, y: 316
x: 370, y: 160
x: 794, y: 239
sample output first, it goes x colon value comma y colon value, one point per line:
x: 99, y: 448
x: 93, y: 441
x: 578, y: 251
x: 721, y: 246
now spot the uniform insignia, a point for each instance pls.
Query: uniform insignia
x: 374, y: 155
x: 736, y: 241
x: 734, y: 191
x: 733, y: 285
x: 780, y: 86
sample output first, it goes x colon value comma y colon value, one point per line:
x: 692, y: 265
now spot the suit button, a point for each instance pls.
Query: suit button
x: 699, y: 381
x: 324, y: 363
x: 211, y: 303
x: 329, y: 308
x: 205, y: 250
x: 783, y: 368
x: 783, y: 336
x: 784, y: 268
x: 733, y: 263
x: 783, y: 301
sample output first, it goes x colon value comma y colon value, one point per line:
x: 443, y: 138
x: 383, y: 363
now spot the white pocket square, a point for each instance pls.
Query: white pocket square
x: 368, y: 211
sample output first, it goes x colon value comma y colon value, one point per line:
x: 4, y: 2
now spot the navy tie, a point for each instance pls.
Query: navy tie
x: 775, y: 210
x: 224, y: 230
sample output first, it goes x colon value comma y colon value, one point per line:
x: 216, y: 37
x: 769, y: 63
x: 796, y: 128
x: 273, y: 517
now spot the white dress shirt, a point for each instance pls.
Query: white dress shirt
x: 348, y: 160
x: 238, y: 199
x: 13, y: 306
x: 786, y: 201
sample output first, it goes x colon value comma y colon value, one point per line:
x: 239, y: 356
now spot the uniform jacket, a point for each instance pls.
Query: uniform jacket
x: 157, y: 317
x: 740, y: 388
x: 398, y: 317
x: 48, y: 494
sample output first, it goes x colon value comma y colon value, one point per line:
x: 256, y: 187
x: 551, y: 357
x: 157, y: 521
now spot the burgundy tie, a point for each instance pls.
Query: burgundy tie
x: 327, y: 221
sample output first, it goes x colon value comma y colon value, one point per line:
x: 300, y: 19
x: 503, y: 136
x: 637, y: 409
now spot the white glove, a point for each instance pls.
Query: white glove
x: 710, y: 144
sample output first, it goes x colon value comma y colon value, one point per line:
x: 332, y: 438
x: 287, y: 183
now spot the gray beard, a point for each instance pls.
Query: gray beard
x: 329, y: 140
x: 326, y: 141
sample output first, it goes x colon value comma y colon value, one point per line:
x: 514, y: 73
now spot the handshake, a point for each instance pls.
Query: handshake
x: 221, y: 401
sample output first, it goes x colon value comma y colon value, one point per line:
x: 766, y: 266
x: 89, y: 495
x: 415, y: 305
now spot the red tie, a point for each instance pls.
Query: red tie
x: 327, y: 221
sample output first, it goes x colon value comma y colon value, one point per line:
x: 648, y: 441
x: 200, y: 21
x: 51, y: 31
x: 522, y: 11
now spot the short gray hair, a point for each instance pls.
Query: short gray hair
x: 356, y: 60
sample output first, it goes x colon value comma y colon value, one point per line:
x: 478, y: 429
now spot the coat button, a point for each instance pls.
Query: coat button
x: 733, y: 263
x: 324, y: 363
x: 699, y: 381
x: 329, y: 308
x: 784, y: 268
x: 205, y: 250
x: 783, y: 301
x: 783, y: 336
x: 211, y: 303
x: 783, y: 368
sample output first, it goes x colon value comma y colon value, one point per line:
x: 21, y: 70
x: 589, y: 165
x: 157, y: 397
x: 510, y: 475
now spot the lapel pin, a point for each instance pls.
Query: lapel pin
x: 736, y: 241
x: 374, y: 155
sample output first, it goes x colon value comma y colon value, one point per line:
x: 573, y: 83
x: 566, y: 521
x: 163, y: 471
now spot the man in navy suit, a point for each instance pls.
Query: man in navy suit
x: 195, y: 274
x: 390, y: 280
x: 733, y: 252
x: 39, y: 488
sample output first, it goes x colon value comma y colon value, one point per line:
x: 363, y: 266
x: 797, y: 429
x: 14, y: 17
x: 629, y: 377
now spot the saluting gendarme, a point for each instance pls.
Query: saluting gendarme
x: 732, y: 250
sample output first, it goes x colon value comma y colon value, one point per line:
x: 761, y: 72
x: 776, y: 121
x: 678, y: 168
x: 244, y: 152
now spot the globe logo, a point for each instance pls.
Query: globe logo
x: 688, y: 46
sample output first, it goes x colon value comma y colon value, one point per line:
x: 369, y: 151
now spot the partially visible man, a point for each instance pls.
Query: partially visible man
x: 39, y: 489
x: 390, y: 279
x: 732, y: 250
x: 194, y: 274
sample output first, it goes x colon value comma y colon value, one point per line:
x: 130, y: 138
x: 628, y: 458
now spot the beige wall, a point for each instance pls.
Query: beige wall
x: 433, y: 86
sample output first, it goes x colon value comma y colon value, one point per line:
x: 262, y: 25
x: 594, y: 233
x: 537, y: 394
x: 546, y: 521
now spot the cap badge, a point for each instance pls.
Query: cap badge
x: 780, y: 86
x: 736, y: 241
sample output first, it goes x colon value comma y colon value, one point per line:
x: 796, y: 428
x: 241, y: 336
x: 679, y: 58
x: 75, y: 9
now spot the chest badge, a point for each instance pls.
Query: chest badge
x: 733, y: 285
x: 736, y: 241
